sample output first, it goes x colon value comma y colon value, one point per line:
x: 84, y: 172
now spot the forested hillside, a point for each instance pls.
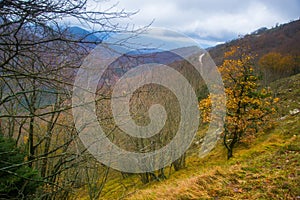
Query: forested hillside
x: 283, y: 39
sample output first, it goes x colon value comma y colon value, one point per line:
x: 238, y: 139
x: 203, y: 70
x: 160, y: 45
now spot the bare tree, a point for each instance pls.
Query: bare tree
x: 39, y: 57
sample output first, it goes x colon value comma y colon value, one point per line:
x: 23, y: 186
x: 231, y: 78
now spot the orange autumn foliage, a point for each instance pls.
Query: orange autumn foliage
x: 248, y: 106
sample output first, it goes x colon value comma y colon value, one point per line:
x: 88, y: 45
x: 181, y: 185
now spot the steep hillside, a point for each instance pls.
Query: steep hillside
x: 288, y: 90
x: 283, y: 39
x: 268, y: 168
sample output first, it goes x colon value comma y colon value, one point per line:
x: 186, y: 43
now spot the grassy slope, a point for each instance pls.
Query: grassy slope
x: 268, y: 168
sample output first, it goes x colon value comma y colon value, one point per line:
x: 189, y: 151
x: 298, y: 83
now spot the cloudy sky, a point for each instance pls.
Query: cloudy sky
x: 208, y: 21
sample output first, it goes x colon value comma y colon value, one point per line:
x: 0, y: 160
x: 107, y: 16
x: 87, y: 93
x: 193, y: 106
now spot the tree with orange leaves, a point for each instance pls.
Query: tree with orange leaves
x: 248, y: 106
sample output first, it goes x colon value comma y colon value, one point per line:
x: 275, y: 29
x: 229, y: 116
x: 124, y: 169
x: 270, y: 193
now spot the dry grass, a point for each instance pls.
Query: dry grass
x: 269, y: 169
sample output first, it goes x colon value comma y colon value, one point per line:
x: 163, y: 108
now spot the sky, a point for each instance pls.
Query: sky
x: 208, y: 21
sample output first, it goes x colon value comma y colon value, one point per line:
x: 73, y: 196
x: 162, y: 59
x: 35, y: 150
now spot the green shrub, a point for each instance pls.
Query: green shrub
x: 17, y: 180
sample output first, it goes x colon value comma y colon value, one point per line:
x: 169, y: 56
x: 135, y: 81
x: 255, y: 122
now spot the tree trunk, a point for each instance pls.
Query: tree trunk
x: 179, y: 163
x: 229, y: 153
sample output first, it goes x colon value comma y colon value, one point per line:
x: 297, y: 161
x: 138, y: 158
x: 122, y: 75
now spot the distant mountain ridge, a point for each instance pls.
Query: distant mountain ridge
x: 88, y: 36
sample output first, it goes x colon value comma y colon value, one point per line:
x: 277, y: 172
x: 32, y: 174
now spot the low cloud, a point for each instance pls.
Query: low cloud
x: 211, y: 21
